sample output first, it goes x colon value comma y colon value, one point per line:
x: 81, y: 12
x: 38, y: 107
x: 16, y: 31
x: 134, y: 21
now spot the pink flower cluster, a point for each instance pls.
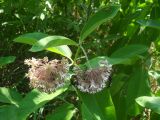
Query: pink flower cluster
x: 47, y: 75
x: 93, y: 80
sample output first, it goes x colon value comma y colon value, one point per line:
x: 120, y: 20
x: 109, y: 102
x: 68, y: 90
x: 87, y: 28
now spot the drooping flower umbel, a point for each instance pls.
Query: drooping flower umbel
x: 94, y: 79
x: 47, y: 75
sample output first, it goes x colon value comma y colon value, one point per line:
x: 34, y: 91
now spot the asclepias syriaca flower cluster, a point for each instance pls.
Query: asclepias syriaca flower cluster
x: 48, y: 76
x: 94, y: 79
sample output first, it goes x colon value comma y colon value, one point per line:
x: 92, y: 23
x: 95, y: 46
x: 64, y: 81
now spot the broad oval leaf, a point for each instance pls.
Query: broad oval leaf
x: 98, y: 18
x: 32, y: 38
x: 62, y: 50
x: 51, y: 41
x: 152, y: 103
x: 6, y: 60
x: 63, y: 112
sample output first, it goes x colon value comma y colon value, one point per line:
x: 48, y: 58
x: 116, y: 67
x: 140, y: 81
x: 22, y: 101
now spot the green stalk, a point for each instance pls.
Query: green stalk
x: 77, y: 53
x: 84, y: 52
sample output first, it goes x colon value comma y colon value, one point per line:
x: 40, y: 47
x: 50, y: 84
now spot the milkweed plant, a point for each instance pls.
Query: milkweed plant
x: 76, y: 85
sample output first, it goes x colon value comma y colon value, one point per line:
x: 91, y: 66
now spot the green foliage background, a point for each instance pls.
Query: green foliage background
x: 126, y: 33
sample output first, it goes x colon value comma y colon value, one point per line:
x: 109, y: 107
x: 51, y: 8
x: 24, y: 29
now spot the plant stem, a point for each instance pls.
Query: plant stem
x: 84, y: 52
x: 89, y: 9
x: 77, y: 53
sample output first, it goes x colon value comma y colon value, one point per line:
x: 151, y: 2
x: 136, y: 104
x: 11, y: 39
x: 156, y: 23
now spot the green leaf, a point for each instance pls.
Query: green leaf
x: 64, y: 112
x: 94, y: 62
x: 97, y: 106
x: 86, y: 114
x: 6, y: 60
x: 51, y: 41
x: 118, y: 81
x: 32, y: 38
x: 129, y: 53
x: 126, y: 55
x: 135, y: 85
x: 152, y: 103
x: 113, y: 61
x: 9, y: 96
x: 9, y: 112
x: 150, y: 23
x: 35, y: 100
x: 103, y: 15
x: 32, y: 101
x: 139, y: 79
x: 62, y: 50
x: 117, y: 93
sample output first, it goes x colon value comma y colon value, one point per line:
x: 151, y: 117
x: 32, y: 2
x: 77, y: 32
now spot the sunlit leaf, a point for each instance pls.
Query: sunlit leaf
x: 152, y: 103
x: 62, y: 50
x: 32, y: 38
x: 32, y: 101
x: 51, y: 41
x: 103, y: 15
x: 9, y: 96
x: 35, y: 100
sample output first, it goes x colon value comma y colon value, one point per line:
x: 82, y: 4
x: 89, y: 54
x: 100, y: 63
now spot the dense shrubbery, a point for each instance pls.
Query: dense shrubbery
x: 105, y: 68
